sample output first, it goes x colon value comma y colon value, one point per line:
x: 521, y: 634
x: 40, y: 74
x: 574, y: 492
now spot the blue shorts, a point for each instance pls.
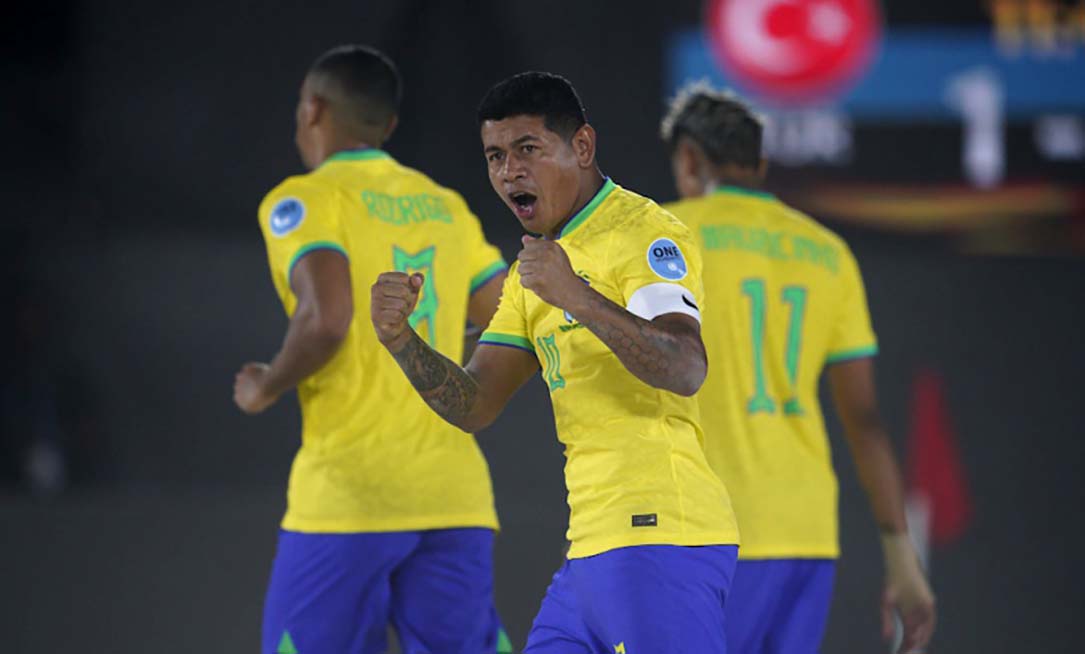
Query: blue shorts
x: 339, y: 593
x: 647, y: 599
x: 779, y: 606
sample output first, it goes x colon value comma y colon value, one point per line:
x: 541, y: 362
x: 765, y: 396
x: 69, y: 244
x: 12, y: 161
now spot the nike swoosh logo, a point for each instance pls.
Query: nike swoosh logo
x: 690, y: 304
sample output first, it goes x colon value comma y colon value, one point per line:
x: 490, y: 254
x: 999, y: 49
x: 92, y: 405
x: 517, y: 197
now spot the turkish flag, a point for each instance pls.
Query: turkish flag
x: 936, y: 479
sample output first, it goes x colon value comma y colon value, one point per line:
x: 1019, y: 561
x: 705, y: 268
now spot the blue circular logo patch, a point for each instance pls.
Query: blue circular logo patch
x: 666, y: 260
x: 286, y: 216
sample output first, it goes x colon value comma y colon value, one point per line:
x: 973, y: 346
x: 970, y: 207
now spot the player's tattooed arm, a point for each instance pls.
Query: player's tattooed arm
x: 666, y: 352
x: 447, y: 388
x: 470, y: 398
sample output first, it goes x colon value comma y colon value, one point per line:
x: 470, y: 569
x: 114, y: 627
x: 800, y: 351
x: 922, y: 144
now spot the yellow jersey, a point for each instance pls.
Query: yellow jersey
x: 635, y: 467
x: 785, y: 298
x: 373, y: 456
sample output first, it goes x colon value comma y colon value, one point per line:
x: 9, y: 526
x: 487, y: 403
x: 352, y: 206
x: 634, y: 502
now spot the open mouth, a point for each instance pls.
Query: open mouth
x: 523, y: 204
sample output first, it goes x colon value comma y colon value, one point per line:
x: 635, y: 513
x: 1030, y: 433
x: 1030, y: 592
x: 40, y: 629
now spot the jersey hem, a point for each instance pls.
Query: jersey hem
x: 582, y: 550
x: 421, y: 523
x: 312, y: 247
x: 488, y: 273
x: 853, y: 353
x: 509, y: 340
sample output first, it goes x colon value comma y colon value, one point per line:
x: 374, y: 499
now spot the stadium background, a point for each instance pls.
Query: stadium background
x: 138, y: 508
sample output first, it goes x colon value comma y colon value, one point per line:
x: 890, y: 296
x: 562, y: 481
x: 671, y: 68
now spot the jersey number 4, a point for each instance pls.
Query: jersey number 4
x: 795, y: 297
x: 425, y: 312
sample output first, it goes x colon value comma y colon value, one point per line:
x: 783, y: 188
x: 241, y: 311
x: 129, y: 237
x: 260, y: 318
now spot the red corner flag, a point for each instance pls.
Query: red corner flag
x: 940, y: 506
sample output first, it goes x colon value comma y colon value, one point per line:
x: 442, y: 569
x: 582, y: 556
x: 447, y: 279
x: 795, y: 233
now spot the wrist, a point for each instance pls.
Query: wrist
x: 398, y: 343
x: 578, y: 299
x: 900, y: 555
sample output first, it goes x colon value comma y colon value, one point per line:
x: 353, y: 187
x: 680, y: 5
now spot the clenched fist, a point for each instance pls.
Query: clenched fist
x: 545, y: 270
x: 250, y: 390
x: 392, y: 300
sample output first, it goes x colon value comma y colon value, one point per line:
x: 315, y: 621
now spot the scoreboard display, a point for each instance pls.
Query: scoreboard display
x: 921, y: 128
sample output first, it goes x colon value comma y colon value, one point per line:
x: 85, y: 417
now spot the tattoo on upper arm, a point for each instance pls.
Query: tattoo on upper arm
x: 446, y: 387
x: 657, y: 356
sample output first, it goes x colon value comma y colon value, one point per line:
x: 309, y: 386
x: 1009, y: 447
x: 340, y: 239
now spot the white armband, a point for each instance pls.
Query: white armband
x: 657, y: 299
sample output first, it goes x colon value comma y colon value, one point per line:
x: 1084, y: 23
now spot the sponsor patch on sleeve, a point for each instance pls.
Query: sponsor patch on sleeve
x: 666, y: 260
x: 286, y: 215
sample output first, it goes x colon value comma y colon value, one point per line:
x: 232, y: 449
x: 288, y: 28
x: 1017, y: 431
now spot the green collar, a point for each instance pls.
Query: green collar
x: 360, y: 154
x: 738, y: 190
x: 589, y: 208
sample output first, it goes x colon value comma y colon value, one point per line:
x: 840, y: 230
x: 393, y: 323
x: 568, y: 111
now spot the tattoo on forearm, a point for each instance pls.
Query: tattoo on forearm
x: 657, y: 357
x: 446, y: 387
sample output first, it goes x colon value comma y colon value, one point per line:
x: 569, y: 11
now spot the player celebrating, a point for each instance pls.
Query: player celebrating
x: 785, y: 301
x: 606, y: 301
x: 390, y: 511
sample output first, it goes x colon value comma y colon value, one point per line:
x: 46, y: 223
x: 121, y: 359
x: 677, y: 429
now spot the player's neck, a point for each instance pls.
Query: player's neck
x: 590, y: 184
x: 730, y: 175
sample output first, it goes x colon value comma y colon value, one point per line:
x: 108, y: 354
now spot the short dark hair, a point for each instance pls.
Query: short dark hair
x: 536, y: 94
x: 363, y: 81
x: 718, y: 121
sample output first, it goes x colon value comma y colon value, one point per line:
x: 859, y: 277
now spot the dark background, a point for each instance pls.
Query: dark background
x: 139, y: 139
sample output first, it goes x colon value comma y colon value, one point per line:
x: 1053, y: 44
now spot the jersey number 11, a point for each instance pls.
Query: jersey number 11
x: 795, y: 296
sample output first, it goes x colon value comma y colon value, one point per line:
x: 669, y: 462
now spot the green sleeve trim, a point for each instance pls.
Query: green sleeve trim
x: 488, y: 273
x: 493, y: 338
x: 854, y: 353
x: 306, y: 249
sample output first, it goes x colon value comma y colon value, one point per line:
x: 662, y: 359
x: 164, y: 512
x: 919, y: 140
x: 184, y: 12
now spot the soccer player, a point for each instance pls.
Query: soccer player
x: 606, y: 301
x: 390, y: 514
x: 784, y: 301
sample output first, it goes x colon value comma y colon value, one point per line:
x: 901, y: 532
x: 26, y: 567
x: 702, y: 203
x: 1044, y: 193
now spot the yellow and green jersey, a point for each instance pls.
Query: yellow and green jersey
x: 635, y: 467
x: 785, y: 298
x: 373, y: 456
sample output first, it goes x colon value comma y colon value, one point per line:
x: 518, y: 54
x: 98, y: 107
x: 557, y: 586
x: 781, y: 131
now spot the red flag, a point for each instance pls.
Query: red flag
x: 936, y: 478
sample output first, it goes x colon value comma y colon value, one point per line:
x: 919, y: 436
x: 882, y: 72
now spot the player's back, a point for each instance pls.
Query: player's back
x: 373, y: 456
x: 783, y: 299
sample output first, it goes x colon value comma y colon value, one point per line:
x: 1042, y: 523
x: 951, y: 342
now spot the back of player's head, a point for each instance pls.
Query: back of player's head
x: 536, y: 94
x: 361, y: 83
x: 721, y: 124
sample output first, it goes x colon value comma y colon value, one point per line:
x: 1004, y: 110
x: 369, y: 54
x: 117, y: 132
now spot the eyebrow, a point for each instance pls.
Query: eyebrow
x: 516, y: 142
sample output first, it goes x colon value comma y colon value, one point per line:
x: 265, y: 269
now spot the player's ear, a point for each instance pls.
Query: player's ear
x: 583, y: 143
x: 392, y: 124
x: 311, y: 110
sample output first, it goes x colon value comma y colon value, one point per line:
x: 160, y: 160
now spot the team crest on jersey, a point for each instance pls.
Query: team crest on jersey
x: 286, y: 216
x: 666, y: 260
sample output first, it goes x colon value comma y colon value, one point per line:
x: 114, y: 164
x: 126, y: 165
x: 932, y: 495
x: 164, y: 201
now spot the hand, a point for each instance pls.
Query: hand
x: 392, y: 300
x: 250, y: 393
x: 545, y: 270
x: 907, y: 593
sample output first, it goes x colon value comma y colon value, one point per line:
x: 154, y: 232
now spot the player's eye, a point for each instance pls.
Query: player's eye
x: 528, y: 148
x: 494, y: 157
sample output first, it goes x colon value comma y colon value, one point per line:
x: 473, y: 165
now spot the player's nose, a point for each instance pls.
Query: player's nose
x: 513, y: 168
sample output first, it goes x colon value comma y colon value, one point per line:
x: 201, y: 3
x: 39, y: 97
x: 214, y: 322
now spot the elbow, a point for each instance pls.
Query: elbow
x: 691, y: 376
x: 688, y: 386
x: 474, y: 423
x: 333, y: 326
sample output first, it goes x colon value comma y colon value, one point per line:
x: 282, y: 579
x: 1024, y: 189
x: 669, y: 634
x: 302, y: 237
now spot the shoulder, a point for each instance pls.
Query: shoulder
x: 690, y: 210
x: 638, y: 218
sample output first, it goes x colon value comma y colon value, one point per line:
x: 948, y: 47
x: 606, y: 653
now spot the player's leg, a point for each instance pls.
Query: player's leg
x: 753, y: 604
x: 799, y: 626
x: 559, y: 627
x: 330, y: 592
x: 442, y: 595
x: 656, y: 598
